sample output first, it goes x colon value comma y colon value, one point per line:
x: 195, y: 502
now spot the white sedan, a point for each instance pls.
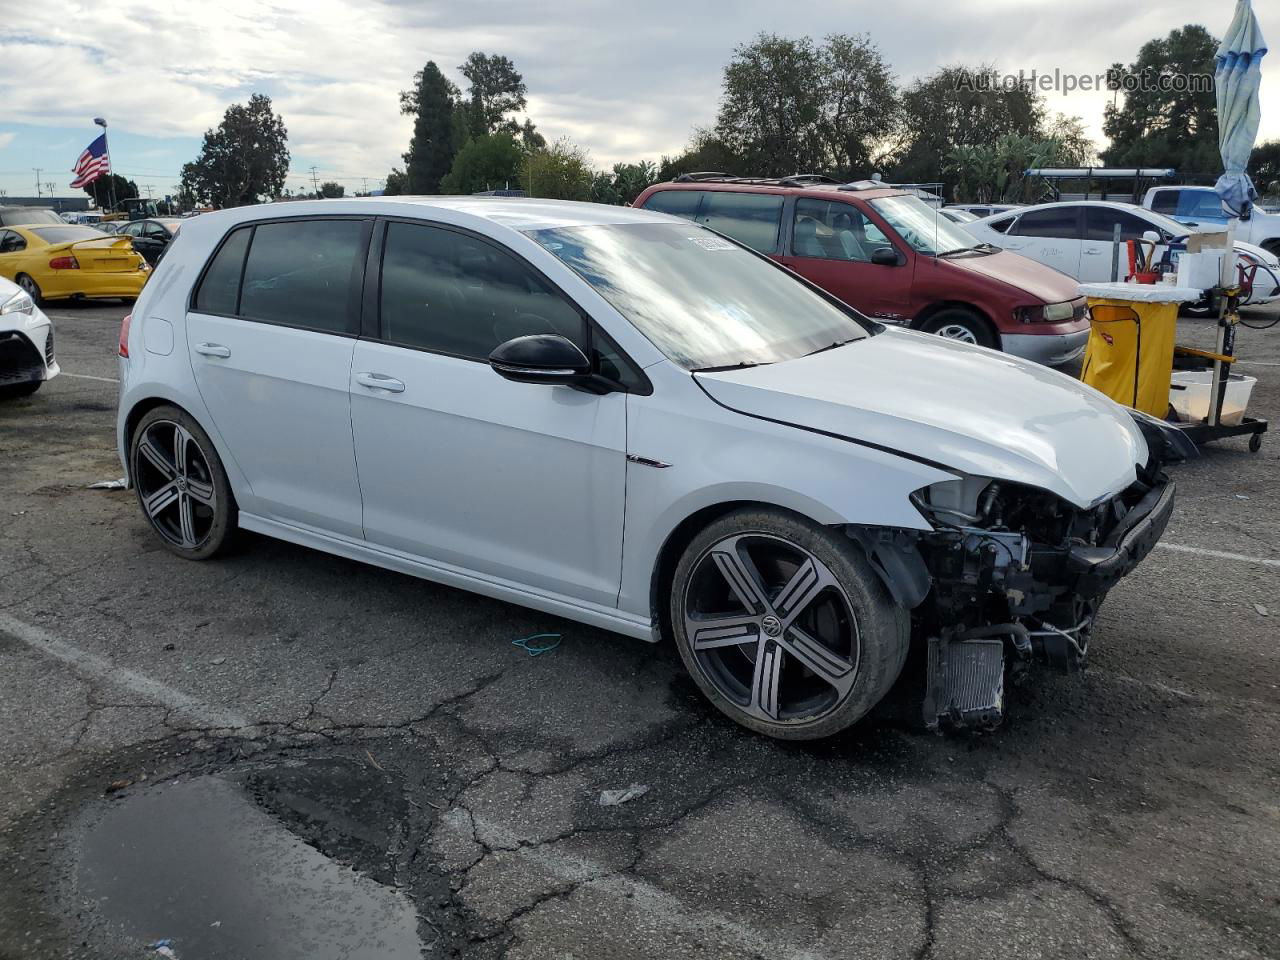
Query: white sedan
x: 1076, y: 238
x: 26, y: 343
x: 627, y: 420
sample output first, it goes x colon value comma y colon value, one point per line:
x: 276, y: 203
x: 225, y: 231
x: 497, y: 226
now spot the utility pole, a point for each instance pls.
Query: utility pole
x: 147, y: 187
x: 38, y: 193
x: 111, y: 174
x: 50, y: 185
x: 315, y: 181
x: 365, y: 181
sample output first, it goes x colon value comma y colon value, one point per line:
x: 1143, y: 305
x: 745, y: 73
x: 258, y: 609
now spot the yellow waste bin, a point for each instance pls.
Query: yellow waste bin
x: 1129, y: 356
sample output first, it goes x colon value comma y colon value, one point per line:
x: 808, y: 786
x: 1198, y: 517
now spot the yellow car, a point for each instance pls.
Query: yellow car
x: 55, y: 262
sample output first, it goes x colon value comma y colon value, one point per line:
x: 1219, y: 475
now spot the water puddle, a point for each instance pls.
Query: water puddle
x: 204, y: 866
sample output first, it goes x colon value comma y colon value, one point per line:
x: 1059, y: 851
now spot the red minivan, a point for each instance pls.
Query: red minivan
x: 886, y: 253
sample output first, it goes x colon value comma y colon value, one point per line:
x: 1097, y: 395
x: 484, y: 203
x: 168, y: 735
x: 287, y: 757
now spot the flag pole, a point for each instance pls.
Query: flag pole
x: 106, y: 148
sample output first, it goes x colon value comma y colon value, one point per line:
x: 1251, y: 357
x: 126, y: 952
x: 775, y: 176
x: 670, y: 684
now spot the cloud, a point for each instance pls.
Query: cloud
x: 625, y: 81
x: 6, y: 139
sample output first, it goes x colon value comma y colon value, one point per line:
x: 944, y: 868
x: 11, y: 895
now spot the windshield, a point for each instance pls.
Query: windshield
x: 921, y: 226
x: 66, y: 234
x: 1172, y: 226
x: 702, y: 300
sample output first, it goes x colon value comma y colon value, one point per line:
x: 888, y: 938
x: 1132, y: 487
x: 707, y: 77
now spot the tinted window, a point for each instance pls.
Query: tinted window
x: 1205, y: 204
x: 1165, y: 201
x: 1059, y: 222
x: 221, y: 284
x: 831, y: 230
x: 133, y: 229
x: 750, y: 218
x: 681, y: 203
x: 10, y: 242
x: 303, y: 274
x: 1100, y: 223
x: 449, y: 292
x: 1001, y: 226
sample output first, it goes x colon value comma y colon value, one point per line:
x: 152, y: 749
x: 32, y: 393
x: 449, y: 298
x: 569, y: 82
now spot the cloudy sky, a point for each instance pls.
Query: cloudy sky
x: 627, y: 81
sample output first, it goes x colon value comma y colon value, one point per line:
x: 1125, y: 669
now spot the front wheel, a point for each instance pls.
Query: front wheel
x: 14, y: 391
x: 181, y: 485
x: 784, y: 626
x: 962, y: 325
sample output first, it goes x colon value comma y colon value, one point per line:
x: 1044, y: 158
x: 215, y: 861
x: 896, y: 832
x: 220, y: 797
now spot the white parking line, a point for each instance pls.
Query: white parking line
x: 93, y: 667
x: 1218, y: 554
x: 85, y: 376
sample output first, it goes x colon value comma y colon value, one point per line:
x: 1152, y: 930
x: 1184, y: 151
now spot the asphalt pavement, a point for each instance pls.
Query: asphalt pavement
x: 282, y: 753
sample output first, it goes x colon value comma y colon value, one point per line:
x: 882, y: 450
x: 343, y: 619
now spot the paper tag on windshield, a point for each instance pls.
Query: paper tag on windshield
x: 712, y: 243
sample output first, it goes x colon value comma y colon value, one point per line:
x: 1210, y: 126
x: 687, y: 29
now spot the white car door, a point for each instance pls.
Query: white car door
x: 517, y: 481
x: 1097, y: 249
x: 270, y: 337
x: 1050, y: 235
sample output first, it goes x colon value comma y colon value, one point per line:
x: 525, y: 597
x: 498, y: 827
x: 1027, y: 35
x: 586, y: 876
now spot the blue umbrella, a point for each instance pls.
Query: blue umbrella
x: 1236, y: 78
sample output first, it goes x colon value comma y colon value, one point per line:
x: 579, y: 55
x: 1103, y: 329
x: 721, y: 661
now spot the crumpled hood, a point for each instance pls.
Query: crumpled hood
x: 975, y: 410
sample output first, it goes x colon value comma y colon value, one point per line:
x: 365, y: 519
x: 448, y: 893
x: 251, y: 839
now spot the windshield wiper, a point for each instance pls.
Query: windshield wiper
x: 978, y: 247
x: 829, y: 346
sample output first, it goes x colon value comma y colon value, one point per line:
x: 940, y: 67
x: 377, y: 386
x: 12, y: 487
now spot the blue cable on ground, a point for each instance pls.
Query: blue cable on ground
x: 534, y: 649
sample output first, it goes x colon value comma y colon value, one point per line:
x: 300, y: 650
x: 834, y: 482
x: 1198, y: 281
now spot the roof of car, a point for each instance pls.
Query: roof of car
x: 517, y: 213
x: 783, y: 185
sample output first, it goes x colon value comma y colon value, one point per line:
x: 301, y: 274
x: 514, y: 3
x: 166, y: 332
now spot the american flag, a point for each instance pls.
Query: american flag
x: 93, y: 163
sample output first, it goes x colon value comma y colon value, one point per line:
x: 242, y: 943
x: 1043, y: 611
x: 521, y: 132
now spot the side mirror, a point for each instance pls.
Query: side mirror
x: 540, y: 358
x: 886, y: 257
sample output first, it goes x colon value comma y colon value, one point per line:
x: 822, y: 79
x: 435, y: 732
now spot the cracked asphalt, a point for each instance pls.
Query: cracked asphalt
x: 161, y: 718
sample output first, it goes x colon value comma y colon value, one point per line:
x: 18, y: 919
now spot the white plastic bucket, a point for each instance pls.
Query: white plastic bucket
x: 1189, y: 392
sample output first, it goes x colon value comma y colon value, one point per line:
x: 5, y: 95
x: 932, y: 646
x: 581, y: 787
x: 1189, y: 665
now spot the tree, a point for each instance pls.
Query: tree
x: 953, y: 107
x: 329, y: 189
x: 1264, y: 167
x: 397, y: 183
x: 1163, y: 121
x: 859, y: 103
x: 561, y: 172
x: 489, y: 162
x: 771, y: 107
x: 433, y: 102
x: 624, y: 183
x: 496, y: 90
x: 244, y: 160
x: 102, y: 190
x: 1075, y: 147
x: 705, y: 152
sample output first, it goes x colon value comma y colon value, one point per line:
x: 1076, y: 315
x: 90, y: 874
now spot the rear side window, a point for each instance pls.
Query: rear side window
x: 1001, y: 226
x: 451, y: 293
x: 1059, y: 222
x: 680, y: 203
x: 1165, y: 201
x: 220, y: 288
x: 1100, y: 223
x: 750, y: 218
x: 304, y: 273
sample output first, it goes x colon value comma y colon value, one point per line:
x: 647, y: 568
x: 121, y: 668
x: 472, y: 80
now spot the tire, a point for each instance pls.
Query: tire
x: 956, y: 323
x: 198, y: 517
x: 13, y: 391
x: 31, y: 288
x: 801, y: 649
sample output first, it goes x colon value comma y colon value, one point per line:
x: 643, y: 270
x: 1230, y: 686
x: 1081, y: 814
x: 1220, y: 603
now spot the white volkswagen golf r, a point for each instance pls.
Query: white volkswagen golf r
x: 625, y: 419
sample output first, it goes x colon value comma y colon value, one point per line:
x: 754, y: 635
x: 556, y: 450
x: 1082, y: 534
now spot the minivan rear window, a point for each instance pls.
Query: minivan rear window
x: 680, y: 203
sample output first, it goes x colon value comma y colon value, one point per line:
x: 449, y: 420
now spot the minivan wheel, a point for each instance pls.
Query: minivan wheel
x: 962, y: 325
x: 181, y: 485
x: 784, y: 626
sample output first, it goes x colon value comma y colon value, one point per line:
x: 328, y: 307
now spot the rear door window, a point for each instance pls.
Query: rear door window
x: 1165, y: 201
x: 219, y: 290
x: 749, y: 218
x: 1057, y: 222
x: 1100, y: 223
x: 680, y: 203
x: 305, y: 273
x: 452, y: 293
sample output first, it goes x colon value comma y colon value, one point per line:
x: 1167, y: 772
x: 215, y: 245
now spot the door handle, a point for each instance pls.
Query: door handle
x: 213, y: 350
x: 378, y: 381
x: 1093, y: 253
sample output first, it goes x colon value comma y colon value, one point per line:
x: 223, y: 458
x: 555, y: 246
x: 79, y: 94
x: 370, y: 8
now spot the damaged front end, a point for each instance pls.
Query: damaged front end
x: 1012, y: 575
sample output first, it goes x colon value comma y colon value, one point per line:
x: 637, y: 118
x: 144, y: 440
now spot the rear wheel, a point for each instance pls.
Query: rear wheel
x: 30, y: 288
x: 181, y: 484
x: 784, y: 626
x: 963, y: 325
